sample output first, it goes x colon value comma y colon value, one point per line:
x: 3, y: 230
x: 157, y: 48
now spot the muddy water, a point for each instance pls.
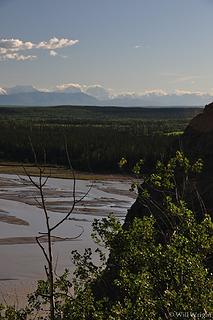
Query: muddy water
x: 21, y: 261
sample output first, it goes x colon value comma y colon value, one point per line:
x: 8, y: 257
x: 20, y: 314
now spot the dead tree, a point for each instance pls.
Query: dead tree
x: 39, y: 183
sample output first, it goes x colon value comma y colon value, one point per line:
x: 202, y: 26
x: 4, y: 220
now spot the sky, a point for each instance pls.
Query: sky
x: 123, y: 45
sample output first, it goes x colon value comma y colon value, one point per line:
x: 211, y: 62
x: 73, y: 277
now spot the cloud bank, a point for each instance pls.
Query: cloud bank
x: 15, y: 49
x: 70, y: 88
x: 56, y: 43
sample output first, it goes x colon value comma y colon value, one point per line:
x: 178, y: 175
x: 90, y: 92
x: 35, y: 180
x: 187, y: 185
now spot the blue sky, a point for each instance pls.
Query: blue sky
x: 126, y: 45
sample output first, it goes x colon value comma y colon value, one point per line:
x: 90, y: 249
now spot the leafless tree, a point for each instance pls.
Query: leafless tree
x: 39, y: 183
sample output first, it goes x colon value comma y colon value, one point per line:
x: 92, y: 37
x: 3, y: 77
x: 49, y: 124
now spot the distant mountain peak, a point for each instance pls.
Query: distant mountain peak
x: 75, y: 94
x: 21, y: 89
x: 3, y: 92
x: 38, y: 98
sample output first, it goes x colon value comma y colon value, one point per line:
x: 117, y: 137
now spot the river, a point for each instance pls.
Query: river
x: 21, y: 219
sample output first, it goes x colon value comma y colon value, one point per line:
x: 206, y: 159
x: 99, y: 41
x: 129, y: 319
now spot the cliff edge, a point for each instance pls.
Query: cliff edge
x: 196, y: 142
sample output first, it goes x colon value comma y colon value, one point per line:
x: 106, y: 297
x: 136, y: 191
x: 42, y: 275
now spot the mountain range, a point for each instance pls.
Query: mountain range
x: 30, y: 96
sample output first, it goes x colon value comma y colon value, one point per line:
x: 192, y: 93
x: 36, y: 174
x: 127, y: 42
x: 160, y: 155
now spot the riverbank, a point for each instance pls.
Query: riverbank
x: 57, y: 172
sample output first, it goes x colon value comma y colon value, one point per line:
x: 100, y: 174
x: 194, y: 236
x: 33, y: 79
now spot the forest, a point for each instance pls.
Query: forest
x: 96, y: 137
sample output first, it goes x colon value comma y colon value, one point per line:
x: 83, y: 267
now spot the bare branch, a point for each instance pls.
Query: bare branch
x: 39, y: 183
x: 42, y: 248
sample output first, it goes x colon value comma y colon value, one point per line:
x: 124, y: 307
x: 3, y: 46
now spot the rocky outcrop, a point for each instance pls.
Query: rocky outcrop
x: 197, y: 142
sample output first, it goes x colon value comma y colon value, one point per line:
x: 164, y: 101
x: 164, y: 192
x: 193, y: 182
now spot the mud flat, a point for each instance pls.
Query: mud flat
x: 22, y: 218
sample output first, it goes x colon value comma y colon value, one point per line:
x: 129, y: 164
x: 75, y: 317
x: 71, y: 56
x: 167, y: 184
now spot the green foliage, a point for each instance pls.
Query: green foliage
x: 143, y: 277
x: 10, y: 313
x: 156, y: 279
x: 122, y: 162
x: 106, y: 230
x: 146, y: 278
x: 137, y: 167
x: 38, y: 301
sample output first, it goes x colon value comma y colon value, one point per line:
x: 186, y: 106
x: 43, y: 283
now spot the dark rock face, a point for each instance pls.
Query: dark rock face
x: 197, y: 139
x: 203, y: 122
x: 197, y: 142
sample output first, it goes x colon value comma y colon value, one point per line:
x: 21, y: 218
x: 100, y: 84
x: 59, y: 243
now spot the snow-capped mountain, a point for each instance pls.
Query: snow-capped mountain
x: 74, y: 94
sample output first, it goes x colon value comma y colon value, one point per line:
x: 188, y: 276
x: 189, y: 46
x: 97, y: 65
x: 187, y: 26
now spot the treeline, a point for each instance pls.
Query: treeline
x: 96, y: 137
x: 91, y: 147
x: 96, y: 114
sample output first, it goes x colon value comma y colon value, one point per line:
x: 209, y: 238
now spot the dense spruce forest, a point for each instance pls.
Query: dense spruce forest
x: 97, y: 137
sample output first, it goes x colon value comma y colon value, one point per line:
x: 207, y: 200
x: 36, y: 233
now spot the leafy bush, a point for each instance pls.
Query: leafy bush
x: 146, y: 276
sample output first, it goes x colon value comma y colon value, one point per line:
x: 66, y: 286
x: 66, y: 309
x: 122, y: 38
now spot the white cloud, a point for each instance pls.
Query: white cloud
x: 44, y: 90
x: 17, y: 57
x: 10, y: 48
x: 99, y: 92
x: 181, y: 92
x: 95, y: 90
x: 53, y: 53
x: 157, y: 92
x: 69, y: 87
x: 56, y: 43
x: 146, y: 93
x: 15, y: 44
x: 138, y: 46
